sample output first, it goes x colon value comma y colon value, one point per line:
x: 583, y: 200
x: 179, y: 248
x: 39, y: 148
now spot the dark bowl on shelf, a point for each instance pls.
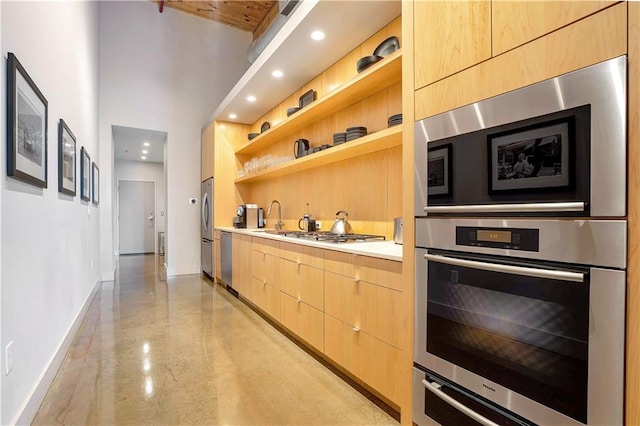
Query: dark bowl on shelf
x: 292, y: 110
x: 252, y: 135
x: 367, y: 61
x: 387, y: 47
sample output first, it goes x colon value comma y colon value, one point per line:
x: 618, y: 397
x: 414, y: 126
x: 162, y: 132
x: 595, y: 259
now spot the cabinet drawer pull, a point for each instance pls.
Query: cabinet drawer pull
x: 356, y: 329
x: 298, y: 263
x: 435, y: 388
x: 264, y: 282
x: 298, y: 300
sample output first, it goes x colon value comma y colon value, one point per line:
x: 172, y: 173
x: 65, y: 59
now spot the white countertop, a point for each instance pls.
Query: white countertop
x: 381, y: 249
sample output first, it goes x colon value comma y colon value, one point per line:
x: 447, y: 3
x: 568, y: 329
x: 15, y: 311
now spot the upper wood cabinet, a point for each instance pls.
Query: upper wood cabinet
x: 517, y: 22
x: 449, y: 36
x: 206, y: 152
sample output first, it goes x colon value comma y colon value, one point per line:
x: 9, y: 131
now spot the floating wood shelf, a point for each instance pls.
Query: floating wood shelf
x: 379, y: 76
x: 373, y: 142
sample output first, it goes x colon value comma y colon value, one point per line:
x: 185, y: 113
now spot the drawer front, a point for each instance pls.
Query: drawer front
x: 267, y: 298
x: 373, y: 309
x: 265, y: 245
x: 340, y: 263
x: 302, y: 254
x: 371, y: 360
x: 303, y: 320
x: 266, y: 268
x: 387, y: 273
x: 302, y: 282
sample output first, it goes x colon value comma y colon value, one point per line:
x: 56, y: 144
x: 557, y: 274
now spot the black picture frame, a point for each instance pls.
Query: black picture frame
x: 27, y: 111
x: 85, y: 179
x: 440, y: 169
x: 95, y: 184
x: 67, y: 175
x: 533, y: 158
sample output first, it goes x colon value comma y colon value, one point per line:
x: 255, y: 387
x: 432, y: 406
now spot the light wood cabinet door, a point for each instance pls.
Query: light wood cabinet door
x: 303, y: 320
x: 371, y: 308
x: 449, y: 36
x: 241, y: 266
x: 266, y: 297
x: 387, y: 273
x: 302, y: 254
x: 302, y: 282
x: 266, y: 268
x: 207, y: 152
x: 517, y: 22
x: 371, y: 360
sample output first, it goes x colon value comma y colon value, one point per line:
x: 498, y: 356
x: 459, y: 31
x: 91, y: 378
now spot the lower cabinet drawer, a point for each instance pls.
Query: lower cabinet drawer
x: 302, y: 282
x: 303, y: 320
x: 266, y: 297
x: 371, y: 360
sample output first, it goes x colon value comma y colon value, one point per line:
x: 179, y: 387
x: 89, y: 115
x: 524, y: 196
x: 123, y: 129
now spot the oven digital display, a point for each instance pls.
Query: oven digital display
x: 497, y: 236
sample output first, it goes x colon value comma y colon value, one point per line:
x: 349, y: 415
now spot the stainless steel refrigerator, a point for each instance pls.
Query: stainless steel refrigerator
x: 206, y: 227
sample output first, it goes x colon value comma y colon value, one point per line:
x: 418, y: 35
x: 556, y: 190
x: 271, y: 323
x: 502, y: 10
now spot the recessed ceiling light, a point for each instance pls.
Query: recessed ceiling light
x: 143, y: 158
x: 144, y: 151
x: 233, y: 116
x: 146, y: 144
x: 251, y: 98
x: 317, y: 35
x: 277, y: 73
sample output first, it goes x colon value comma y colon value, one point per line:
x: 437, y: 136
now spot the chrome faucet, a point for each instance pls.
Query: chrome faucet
x: 279, y: 223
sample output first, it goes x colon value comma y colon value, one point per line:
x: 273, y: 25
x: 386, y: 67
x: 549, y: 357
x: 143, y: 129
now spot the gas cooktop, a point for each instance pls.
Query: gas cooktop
x: 334, y: 238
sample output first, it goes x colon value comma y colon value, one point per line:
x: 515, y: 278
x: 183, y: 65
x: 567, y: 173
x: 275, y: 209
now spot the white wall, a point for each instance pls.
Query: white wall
x: 139, y: 170
x: 164, y: 72
x: 50, y: 251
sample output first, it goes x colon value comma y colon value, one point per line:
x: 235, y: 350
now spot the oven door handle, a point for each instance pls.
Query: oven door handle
x: 577, y: 206
x: 508, y: 269
x: 435, y: 388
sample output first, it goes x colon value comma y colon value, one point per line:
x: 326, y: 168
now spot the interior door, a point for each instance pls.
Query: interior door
x: 136, y: 205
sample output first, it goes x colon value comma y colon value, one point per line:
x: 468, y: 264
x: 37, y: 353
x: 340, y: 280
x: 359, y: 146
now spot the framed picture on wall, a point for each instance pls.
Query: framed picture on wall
x: 95, y: 184
x: 26, y: 126
x: 66, y: 160
x: 85, y: 165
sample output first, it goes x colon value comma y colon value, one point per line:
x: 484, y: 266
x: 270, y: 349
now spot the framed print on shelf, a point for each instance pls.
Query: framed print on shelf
x: 531, y: 159
x: 26, y: 126
x: 85, y: 165
x: 95, y: 183
x: 66, y: 160
x: 440, y: 173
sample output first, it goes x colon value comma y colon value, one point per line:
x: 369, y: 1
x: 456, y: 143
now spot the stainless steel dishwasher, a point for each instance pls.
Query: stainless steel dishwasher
x: 226, y: 258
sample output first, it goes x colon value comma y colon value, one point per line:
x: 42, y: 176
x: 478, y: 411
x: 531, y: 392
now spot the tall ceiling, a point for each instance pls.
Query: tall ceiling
x: 244, y: 15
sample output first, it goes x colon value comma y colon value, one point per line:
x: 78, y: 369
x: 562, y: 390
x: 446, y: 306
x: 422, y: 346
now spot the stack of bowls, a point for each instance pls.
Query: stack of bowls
x: 356, y: 132
x: 394, y: 120
x: 339, y: 138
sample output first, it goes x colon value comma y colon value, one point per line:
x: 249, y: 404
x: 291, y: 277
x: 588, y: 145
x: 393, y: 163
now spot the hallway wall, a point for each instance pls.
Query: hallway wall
x: 50, y: 252
x: 166, y: 72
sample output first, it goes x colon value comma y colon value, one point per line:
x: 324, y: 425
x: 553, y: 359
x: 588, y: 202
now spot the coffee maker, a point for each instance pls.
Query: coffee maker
x: 248, y: 216
x: 240, y: 219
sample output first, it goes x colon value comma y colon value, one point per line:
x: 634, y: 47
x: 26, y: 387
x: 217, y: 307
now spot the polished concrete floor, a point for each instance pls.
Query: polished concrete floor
x: 184, y: 351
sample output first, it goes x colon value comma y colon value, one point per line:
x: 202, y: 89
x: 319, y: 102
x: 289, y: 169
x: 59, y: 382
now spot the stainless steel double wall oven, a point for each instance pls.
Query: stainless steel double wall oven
x: 521, y: 255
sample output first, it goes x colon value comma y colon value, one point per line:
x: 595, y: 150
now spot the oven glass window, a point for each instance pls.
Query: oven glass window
x: 527, y: 334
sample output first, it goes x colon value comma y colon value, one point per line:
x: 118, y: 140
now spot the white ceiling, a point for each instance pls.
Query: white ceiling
x: 128, y: 143
x: 345, y: 23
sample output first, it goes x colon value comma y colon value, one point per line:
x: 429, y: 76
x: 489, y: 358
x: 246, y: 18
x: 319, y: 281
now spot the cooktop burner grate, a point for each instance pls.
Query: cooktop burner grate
x: 337, y: 238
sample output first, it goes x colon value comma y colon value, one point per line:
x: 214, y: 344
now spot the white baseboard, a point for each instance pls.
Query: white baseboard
x: 30, y: 408
x: 109, y: 276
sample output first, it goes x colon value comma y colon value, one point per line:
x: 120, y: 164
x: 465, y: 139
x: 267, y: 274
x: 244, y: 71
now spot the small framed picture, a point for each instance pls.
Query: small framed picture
x: 26, y: 126
x: 85, y: 166
x: 95, y: 184
x: 531, y: 159
x: 66, y: 160
x: 439, y: 169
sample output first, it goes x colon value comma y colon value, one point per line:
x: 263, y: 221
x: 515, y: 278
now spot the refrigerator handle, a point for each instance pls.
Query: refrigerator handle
x: 205, y: 211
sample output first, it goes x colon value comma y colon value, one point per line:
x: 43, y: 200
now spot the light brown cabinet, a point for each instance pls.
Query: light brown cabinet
x: 265, y: 267
x: 515, y: 23
x: 450, y: 36
x: 207, y: 152
x: 241, y: 266
x: 303, y: 320
x: 217, y: 259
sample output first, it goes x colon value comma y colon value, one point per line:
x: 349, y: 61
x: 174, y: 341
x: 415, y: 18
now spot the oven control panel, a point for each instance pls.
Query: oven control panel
x: 526, y: 239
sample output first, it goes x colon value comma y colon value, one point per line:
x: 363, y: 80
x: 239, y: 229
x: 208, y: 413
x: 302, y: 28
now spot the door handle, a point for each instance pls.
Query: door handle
x: 151, y: 217
x: 435, y: 389
x: 205, y: 211
x: 577, y: 206
x: 508, y: 269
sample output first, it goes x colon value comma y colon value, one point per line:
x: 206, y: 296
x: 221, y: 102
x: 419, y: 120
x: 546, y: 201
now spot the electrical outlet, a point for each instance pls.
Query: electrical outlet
x: 8, y: 358
x: 318, y: 225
